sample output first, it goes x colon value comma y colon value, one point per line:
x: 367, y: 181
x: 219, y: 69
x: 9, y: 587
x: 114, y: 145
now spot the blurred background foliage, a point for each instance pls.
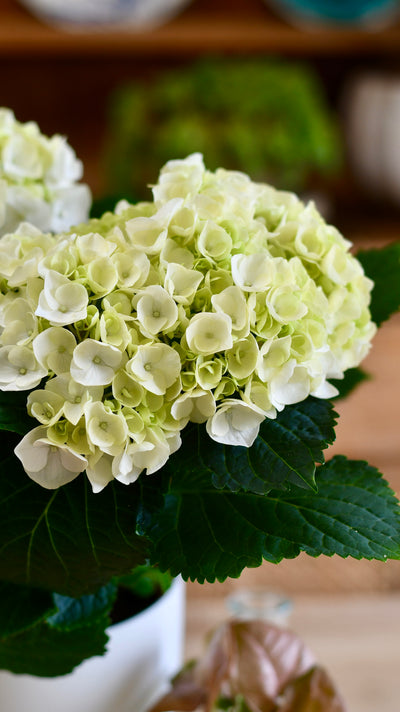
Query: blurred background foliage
x: 266, y: 117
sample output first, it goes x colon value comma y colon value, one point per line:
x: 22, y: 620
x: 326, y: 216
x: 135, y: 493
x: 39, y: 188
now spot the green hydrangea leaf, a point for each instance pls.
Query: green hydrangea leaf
x: 352, y: 378
x: 22, y: 607
x: 90, y: 609
x: 46, y: 651
x: 13, y: 413
x: 68, y: 540
x: 284, y: 453
x: 382, y: 265
x: 207, y: 534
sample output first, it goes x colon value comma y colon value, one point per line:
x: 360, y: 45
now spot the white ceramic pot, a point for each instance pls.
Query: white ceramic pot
x: 105, y: 14
x: 372, y: 124
x: 143, y: 654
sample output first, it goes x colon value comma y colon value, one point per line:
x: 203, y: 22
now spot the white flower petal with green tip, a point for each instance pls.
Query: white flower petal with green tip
x: 209, y: 332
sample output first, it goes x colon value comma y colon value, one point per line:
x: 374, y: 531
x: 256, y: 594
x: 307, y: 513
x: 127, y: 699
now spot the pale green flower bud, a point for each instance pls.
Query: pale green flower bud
x: 45, y: 406
x: 208, y: 372
x: 209, y: 333
x: 126, y: 389
x: 113, y: 329
x: 242, y: 357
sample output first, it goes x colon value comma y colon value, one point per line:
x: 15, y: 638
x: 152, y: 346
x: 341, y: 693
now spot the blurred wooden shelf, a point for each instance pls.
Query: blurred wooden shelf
x: 225, y: 26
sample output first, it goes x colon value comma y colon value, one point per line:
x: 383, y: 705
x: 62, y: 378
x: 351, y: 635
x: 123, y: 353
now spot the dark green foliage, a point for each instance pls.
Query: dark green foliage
x: 383, y: 267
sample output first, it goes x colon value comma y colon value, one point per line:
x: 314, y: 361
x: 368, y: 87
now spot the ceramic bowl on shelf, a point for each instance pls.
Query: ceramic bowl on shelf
x: 81, y: 15
x: 371, y: 14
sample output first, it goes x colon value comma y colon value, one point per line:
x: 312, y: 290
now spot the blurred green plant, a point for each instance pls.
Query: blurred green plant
x: 269, y: 118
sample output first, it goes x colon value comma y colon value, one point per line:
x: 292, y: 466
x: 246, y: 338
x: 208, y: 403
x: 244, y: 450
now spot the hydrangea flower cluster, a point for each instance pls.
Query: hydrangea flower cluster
x: 220, y: 302
x: 38, y: 179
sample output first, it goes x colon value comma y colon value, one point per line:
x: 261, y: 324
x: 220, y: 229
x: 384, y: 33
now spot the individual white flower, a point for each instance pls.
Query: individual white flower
x: 107, y: 431
x: 180, y: 178
x: 286, y: 305
x: 69, y: 206
x: 232, y: 301
x: 235, y: 423
x: 74, y: 395
x: 20, y: 323
x: 21, y: 158
x: 132, y: 267
x: 242, y: 357
x: 253, y: 273
x: 156, y: 310
x: 149, y: 234
x: 209, y: 333
x: 126, y: 389
x: 208, y: 371
x: 50, y: 465
x: 94, y: 363
x: 290, y: 384
x: 155, y: 366
x: 62, y: 302
x: 65, y: 167
x: 173, y: 252
x: 91, y: 246
x: 273, y: 354
x: 196, y: 405
x: 101, y: 276
x: 113, y: 329
x: 182, y: 283
x: 340, y: 266
x: 150, y: 454
x: 214, y: 242
x: 19, y: 369
x: 53, y: 349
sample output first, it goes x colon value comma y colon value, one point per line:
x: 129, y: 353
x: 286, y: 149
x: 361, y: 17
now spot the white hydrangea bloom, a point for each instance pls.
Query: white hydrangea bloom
x: 39, y: 179
x: 222, y: 301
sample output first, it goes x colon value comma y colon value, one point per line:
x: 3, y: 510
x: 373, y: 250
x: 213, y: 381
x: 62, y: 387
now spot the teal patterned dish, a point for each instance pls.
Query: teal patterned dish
x: 344, y: 12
